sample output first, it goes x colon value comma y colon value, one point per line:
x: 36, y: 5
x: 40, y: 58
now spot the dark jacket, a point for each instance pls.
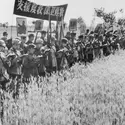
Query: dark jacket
x: 41, y: 61
x: 15, y: 62
x: 29, y: 66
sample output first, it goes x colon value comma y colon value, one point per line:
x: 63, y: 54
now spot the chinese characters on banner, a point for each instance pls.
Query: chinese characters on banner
x: 73, y: 25
x: 39, y: 25
x: 21, y: 26
x: 30, y: 9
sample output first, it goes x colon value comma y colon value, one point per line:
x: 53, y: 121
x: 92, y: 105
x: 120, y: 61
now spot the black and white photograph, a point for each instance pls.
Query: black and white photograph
x: 39, y: 25
x: 62, y: 62
x: 73, y: 25
x: 21, y: 26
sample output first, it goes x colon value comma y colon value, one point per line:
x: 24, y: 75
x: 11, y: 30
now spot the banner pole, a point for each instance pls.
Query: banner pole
x: 50, y: 27
x: 62, y: 28
x: 12, y: 27
x: 57, y: 23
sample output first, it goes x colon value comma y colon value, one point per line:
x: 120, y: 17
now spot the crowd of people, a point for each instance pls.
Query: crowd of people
x: 23, y: 58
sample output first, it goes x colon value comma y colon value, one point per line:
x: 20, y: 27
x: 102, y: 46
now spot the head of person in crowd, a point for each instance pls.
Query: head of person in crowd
x: 4, y: 38
x: 92, y: 32
x: 87, y: 31
x: 114, y: 36
x: 53, y: 41
x: 31, y: 48
x: 30, y: 38
x: 104, y: 38
x: 91, y: 38
x: 87, y: 39
x: 43, y: 34
x: 80, y: 38
x: 68, y: 35
x: 64, y: 42
x: 5, y: 35
x: 2, y: 46
x: 73, y: 35
x: 42, y: 50
x: 39, y: 43
x: 23, y: 38
x: 16, y: 44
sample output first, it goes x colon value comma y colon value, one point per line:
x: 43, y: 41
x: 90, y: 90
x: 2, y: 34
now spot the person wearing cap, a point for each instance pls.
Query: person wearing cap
x: 29, y: 64
x: 64, y: 42
x: 4, y: 77
x: 14, y: 65
x: 39, y: 44
x: 96, y: 47
x: 40, y: 53
x: 5, y: 35
x: 105, y: 46
x: 62, y: 61
x: 8, y: 42
x: 68, y: 35
x: 30, y: 39
x: 80, y: 48
x: 89, y: 50
x: 15, y: 60
x: 3, y: 47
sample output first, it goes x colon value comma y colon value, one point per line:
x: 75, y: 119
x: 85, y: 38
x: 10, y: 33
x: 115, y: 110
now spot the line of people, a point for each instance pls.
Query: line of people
x: 21, y: 59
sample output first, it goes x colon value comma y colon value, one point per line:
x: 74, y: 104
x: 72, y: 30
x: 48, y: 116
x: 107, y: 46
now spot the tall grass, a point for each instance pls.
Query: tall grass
x: 92, y: 95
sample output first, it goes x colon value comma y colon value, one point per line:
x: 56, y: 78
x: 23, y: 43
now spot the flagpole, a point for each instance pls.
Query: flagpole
x: 57, y: 23
x: 50, y: 27
x: 62, y: 29
x: 12, y: 27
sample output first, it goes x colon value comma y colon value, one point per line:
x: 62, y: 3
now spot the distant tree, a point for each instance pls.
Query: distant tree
x: 81, y: 25
x: 107, y: 17
x: 5, y: 25
x: 99, y: 28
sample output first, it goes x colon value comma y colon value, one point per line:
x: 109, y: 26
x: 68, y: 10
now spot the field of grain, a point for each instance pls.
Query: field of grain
x: 91, y: 95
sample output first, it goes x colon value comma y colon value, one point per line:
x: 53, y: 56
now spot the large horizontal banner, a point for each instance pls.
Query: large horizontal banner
x: 30, y: 9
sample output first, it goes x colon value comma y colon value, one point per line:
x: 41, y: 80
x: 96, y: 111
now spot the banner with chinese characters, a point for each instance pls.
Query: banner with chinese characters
x: 21, y: 26
x: 73, y: 25
x: 30, y: 9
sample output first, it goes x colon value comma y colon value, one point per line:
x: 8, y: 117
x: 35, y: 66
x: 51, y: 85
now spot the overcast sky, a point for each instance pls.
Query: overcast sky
x: 76, y: 8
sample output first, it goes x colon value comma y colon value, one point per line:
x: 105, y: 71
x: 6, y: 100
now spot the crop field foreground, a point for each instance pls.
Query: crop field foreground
x: 91, y: 95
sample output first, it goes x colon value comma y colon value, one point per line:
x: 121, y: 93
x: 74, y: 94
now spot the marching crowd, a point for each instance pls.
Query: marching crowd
x: 22, y: 58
